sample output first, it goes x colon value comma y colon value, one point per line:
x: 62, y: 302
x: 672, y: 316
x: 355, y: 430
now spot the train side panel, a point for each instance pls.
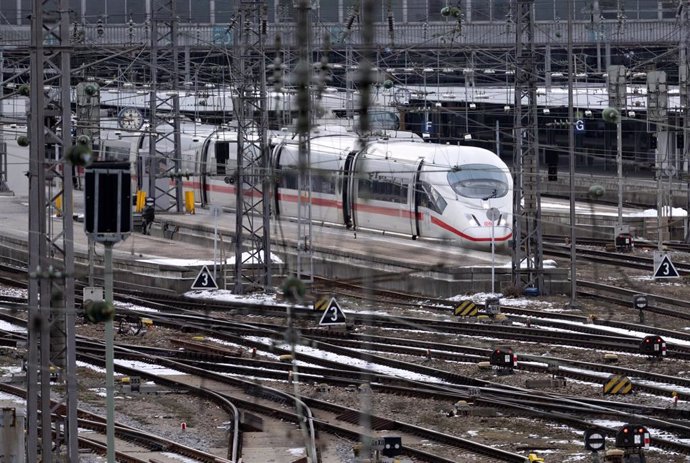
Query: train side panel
x: 383, y: 195
x: 325, y: 178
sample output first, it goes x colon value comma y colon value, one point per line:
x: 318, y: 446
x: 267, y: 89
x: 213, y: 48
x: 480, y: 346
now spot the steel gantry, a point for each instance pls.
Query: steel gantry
x: 252, y: 178
x: 164, y: 158
x: 51, y: 327
x: 528, y: 267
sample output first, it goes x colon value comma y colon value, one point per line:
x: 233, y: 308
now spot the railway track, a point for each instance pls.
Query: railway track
x: 603, y: 243
x: 142, y: 439
x: 205, y: 307
x: 552, y: 409
x: 671, y: 445
x: 253, y: 392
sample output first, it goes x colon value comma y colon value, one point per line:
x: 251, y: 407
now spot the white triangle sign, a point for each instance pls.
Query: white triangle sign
x: 333, y: 315
x: 204, y: 280
x: 666, y: 269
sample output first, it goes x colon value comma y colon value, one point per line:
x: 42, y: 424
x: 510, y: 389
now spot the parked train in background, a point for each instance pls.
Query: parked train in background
x: 393, y: 182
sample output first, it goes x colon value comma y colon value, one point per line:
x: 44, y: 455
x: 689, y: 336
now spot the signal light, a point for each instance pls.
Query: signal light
x: 99, y: 311
x: 294, y: 290
x: 91, y: 89
x: 611, y: 115
x: 80, y: 154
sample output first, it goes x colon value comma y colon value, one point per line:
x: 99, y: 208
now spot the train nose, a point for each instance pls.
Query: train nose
x: 481, y: 236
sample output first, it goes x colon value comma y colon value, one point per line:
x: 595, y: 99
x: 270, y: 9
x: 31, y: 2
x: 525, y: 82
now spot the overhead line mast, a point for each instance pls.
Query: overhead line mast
x: 164, y: 157
x: 51, y: 324
x: 253, y: 180
x: 528, y: 265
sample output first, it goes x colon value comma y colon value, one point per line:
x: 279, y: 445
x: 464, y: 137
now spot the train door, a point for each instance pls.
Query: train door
x: 421, y: 217
x: 223, y: 165
x: 277, y: 152
x: 142, y: 165
x: 222, y: 155
x: 429, y: 201
x: 203, y: 163
x: 347, y: 174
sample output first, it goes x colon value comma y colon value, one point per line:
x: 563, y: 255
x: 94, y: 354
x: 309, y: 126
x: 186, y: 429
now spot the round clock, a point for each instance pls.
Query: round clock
x: 130, y: 118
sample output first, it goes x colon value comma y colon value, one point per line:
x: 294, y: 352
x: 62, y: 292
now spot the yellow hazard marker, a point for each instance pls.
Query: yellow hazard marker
x: 322, y: 304
x: 466, y: 308
x: 189, y: 205
x: 617, y: 384
x: 58, y: 205
x: 141, y: 201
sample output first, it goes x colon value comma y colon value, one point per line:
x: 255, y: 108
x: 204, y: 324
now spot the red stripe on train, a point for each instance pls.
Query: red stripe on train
x: 363, y: 208
x: 445, y: 226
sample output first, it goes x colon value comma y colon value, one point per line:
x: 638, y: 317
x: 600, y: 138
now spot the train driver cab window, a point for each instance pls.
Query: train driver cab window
x: 481, y: 181
x: 222, y: 155
x: 429, y: 197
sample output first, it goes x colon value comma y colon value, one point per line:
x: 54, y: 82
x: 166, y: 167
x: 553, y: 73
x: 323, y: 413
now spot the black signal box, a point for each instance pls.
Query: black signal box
x: 653, y: 346
x: 633, y: 436
x: 108, y: 201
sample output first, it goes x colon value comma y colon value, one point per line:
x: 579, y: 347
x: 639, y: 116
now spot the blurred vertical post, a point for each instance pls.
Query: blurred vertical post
x: 365, y: 83
x: 571, y: 153
x: 109, y: 355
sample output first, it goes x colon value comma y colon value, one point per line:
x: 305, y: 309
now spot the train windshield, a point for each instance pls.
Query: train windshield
x: 482, y: 181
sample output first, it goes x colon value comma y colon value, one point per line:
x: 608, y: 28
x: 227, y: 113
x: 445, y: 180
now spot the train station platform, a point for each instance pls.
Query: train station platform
x: 170, y: 258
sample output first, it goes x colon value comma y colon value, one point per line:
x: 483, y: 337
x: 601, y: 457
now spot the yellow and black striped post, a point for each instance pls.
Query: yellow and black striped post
x: 466, y: 308
x: 322, y: 304
x: 617, y: 384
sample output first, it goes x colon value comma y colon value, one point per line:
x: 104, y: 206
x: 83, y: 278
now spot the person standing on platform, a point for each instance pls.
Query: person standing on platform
x: 148, y: 215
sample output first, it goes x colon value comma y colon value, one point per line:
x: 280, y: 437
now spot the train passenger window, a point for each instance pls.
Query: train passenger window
x: 323, y: 182
x: 428, y: 197
x: 382, y: 189
x: 480, y: 181
x: 115, y: 153
x: 289, y: 178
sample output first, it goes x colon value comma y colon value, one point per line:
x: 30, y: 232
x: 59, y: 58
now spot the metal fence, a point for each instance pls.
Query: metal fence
x: 425, y: 35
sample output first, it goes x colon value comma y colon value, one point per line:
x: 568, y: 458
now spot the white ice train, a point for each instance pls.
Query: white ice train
x: 396, y: 183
